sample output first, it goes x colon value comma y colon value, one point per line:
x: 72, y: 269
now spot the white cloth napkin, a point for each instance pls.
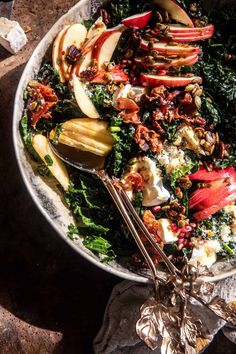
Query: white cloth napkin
x: 118, y: 335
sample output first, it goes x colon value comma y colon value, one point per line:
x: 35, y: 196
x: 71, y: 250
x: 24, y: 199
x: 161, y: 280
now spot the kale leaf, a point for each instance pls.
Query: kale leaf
x: 26, y: 134
x: 47, y: 75
x: 124, y: 147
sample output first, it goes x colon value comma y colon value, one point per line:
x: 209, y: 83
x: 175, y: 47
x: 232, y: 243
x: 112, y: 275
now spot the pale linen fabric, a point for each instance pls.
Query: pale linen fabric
x: 117, y: 334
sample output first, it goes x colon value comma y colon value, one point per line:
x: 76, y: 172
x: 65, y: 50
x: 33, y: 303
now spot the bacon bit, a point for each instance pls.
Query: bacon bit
x: 135, y: 181
x: 147, y: 139
x: 116, y: 75
x: 42, y: 99
x: 153, y: 226
x: 129, y: 110
x: 222, y: 150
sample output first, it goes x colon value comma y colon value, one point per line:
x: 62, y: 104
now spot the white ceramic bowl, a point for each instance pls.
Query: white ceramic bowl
x: 47, y: 199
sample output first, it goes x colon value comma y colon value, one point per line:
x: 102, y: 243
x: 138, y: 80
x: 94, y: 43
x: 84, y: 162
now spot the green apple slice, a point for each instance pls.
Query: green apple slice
x: 57, y: 168
x: 83, y: 100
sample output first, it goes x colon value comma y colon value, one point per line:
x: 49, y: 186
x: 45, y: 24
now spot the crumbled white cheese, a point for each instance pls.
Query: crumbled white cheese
x: 192, y: 142
x: 165, y: 232
x: 154, y: 192
x: 121, y: 93
x: 12, y: 36
x: 128, y: 91
x: 171, y: 158
x: 225, y: 233
x: 206, y: 253
x: 231, y: 210
x: 136, y: 92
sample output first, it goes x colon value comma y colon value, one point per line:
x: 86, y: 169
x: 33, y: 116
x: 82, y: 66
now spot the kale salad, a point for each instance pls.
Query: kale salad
x: 149, y: 90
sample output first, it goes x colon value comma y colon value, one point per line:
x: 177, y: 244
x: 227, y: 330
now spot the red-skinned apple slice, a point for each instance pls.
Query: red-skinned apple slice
x: 86, y: 57
x: 175, y: 31
x: 105, y: 46
x: 178, y: 30
x: 55, y: 54
x: 138, y: 20
x: 175, y: 11
x: 187, y: 39
x: 165, y: 65
x: 74, y: 35
x: 168, y: 81
x: 166, y: 49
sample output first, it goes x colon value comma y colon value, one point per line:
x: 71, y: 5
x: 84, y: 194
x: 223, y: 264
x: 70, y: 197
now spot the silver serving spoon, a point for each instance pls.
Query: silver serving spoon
x: 178, y: 284
x: 93, y: 165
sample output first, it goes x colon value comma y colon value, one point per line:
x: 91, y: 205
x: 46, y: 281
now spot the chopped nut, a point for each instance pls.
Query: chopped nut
x: 179, y: 193
x: 189, y: 87
x: 129, y: 53
x: 197, y: 101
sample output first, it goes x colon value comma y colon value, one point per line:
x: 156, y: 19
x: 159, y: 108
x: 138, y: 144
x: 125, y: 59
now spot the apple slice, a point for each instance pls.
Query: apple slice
x: 190, y: 60
x: 55, y: 54
x: 138, y: 20
x: 57, y: 168
x: 187, y: 38
x: 175, y: 28
x: 86, y: 57
x: 175, y: 11
x: 105, y: 46
x: 74, y: 35
x: 168, y: 81
x: 168, y: 49
x: 182, y: 31
x: 97, y: 28
x: 84, y: 102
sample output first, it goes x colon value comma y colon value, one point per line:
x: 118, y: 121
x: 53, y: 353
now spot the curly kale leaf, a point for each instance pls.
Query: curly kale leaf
x: 124, y: 147
x: 120, y: 9
x: 100, y: 245
x: 97, y: 219
x: 101, y: 98
x: 47, y: 75
x: 67, y: 108
x: 26, y: 134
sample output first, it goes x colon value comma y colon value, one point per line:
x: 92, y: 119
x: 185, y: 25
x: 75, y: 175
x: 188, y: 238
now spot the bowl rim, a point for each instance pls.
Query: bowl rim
x: 15, y: 136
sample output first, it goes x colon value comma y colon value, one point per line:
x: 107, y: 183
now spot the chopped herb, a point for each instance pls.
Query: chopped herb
x: 48, y: 160
x: 229, y: 250
x: 43, y: 171
x: 88, y: 23
x: 72, y: 230
x: 57, y: 133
